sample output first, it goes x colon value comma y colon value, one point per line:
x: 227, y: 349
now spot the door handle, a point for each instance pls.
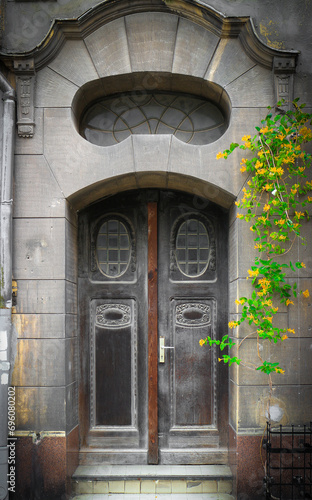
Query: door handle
x: 162, y: 348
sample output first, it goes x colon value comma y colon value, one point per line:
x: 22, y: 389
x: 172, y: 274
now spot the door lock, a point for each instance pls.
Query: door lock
x: 162, y: 348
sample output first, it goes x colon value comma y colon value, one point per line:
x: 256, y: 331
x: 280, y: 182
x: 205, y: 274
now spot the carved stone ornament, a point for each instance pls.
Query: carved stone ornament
x: 113, y: 315
x: 283, y: 80
x: 25, y: 87
x: 193, y: 314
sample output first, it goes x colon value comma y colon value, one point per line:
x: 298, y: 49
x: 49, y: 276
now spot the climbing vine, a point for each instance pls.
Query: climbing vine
x: 274, y: 202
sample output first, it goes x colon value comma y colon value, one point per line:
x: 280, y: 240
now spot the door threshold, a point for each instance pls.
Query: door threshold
x: 134, y: 472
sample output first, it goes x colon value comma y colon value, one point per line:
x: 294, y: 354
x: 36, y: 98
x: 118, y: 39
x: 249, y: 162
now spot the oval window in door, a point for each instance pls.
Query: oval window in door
x: 113, y: 248
x: 192, y: 248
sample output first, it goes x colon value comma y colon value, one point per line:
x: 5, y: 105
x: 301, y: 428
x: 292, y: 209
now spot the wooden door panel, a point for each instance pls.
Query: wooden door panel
x: 113, y: 310
x: 192, y: 289
x: 114, y: 363
x: 192, y: 368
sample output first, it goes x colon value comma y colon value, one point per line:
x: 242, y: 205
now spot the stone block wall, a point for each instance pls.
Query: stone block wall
x: 57, y: 173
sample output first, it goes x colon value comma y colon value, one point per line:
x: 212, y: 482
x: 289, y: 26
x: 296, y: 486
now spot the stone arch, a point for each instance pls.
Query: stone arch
x: 151, y: 179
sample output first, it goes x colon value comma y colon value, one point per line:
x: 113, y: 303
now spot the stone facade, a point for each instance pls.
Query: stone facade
x: 91, y: 51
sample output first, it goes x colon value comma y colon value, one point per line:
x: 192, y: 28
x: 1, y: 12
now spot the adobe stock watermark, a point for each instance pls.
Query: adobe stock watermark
x: 11, y: 440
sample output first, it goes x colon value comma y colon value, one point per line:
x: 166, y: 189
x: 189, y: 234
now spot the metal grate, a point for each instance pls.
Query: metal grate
x: 289, y: 462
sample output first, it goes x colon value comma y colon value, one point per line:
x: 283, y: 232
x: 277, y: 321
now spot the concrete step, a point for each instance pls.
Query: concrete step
x: 131, y: 482
x: 172, y: 496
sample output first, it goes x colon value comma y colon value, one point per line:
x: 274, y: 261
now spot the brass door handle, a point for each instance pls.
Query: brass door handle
x: 162, y: 348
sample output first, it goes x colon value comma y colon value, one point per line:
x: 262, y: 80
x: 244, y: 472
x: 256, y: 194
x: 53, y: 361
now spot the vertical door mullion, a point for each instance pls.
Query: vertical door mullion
x: 152, y: 336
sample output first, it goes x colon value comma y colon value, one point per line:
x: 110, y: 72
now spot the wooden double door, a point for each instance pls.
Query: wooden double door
x: 152, y: 283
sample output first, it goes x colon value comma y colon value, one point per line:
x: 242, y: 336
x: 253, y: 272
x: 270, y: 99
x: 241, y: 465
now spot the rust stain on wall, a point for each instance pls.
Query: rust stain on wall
x: 269, y: 31
x: 25, y: 409
x: 26, y: 323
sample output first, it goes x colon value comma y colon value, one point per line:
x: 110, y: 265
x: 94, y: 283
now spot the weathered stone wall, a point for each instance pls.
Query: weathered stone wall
x: 57, y: 172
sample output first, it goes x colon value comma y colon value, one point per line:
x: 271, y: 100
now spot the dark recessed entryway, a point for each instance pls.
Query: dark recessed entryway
x: 153, y: 282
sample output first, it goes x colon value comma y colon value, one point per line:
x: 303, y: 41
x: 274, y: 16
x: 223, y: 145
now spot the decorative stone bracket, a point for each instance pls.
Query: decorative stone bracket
x: 25, y: 88
x: 284, y: 69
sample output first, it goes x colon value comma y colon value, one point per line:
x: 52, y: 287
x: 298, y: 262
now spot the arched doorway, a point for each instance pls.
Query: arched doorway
x: 152, y: 283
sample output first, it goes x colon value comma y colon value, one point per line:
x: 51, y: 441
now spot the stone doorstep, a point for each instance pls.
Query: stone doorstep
x: 205, y: 496
x: 149, y: 479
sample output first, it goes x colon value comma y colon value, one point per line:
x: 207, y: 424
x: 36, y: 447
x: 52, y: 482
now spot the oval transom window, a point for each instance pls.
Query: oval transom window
x: 192, y: 248
x: 113, y: 248
x: 191, y: 119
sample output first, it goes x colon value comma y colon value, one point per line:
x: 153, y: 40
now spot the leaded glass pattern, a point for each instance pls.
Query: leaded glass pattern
x: 189, y: 118
x: 192, y: 248
x: 113, y: 248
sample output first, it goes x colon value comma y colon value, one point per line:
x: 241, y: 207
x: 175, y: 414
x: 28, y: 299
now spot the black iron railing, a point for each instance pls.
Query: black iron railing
x: 289, y: 462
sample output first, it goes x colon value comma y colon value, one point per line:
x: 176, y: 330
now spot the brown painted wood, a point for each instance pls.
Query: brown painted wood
x: 152, y: 336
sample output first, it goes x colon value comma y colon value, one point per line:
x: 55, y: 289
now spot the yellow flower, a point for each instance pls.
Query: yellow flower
x: 241, y: 301
x: 279, y: 370
x: 259, y: 247
x: 262, y: 219
x: 291, y: 330
x: 220, y: 155
x: 310, y: 198
x: 280, y: 222
x: 306, y: 293
x: 284, y: 337
x: 243, y: 169
x: 267, y: 302
x: 306, y: 133
x: 232, y: 324
x: 201, y: 342
x: 220, y: 359
x: 303, y: 264
x: 246, y: 137
x: 288, y: 302
x: 264, y: 130
x: 266, y: 208
x: 268, y: 187
x: 282, y: 237
x: 280, y: 136
x: 299, y: 215
x: 253, y: 273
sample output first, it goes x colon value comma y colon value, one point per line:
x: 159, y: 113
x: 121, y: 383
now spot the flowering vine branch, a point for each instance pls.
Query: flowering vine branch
x: 274, y: 201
